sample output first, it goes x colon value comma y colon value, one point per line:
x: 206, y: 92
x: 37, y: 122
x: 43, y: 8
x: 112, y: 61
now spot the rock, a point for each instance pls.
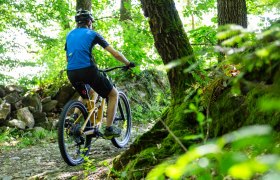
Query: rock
x: 52, y: 123
x: 2, y: 91
x: 47, y: 125
x: 40, y: 117
x: 55, y: 124
x: 32, y: 109
x: 5, y: 110
x: 15, y: 158
x: 12, y: 98
x: 25, y: 115
x: 18, y: 105
x: 7, y: 177
x: 33, y: 100
x: 64, y: 94
x: 46, y: 100
x: 14, y: 88
x: 17, y: 123
x: 50, y: 106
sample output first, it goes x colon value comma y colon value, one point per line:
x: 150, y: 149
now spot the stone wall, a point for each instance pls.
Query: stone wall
x: 26, y: 109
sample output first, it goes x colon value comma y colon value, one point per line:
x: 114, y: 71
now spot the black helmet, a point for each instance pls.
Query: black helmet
x: 83, y: 16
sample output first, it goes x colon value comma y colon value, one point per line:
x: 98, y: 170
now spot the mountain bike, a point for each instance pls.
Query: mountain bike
x: 75, y: 133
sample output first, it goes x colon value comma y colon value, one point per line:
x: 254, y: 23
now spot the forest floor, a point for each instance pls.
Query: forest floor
x: 43, y: 161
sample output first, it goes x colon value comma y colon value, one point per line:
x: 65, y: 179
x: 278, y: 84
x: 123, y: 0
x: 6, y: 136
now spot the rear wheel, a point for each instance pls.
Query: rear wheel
x: 123, y: 121
x: 72, y: 145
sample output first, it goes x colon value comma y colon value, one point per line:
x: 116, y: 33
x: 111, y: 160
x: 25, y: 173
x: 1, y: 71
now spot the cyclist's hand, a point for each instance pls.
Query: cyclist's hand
x: 131, y: 65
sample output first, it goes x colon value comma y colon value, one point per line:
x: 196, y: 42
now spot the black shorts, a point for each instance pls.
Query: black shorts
x: 91, y: 76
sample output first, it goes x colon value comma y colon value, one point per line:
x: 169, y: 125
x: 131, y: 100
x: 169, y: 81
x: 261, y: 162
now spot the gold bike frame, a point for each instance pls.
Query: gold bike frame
x: 95, y: 115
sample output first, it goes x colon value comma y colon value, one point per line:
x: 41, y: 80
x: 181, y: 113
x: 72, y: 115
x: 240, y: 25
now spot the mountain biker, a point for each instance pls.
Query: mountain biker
x: 81, y: 66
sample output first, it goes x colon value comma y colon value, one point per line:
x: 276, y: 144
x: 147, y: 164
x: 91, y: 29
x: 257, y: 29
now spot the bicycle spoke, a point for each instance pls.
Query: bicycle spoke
x: 73, y: 146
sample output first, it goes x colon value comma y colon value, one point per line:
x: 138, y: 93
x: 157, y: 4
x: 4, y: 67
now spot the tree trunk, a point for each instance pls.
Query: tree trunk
x: 171, y: 42
x: 125, y: 8
x: 189, y: 3
x: 232, y: 12
x: 83, y: 4
x: 162, y: 140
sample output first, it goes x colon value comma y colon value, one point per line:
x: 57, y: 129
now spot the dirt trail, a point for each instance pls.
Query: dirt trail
x: 44, y: 161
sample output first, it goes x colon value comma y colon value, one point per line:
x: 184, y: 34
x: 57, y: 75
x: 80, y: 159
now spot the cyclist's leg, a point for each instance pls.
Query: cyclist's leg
x: 106, y: 90
x: 112, y: 106
x: 79, y: 78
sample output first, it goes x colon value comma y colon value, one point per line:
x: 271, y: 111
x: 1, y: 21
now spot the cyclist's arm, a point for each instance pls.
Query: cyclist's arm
x: 103, y: 43
x: 119, y: 56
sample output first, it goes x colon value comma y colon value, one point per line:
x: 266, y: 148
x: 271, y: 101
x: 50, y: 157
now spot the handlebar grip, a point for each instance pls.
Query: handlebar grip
x: 131, y: 65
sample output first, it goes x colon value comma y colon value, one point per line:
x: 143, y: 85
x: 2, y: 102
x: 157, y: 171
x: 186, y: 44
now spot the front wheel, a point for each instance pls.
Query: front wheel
x: 123, y: 121
x: 72, y: 145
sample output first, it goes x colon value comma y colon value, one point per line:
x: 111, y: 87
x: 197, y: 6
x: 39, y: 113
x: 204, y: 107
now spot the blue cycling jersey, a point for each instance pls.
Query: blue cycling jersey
x: 79, y: 44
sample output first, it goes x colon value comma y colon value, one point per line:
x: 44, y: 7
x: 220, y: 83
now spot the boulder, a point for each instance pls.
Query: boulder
x: 46, y: 100
x: 33, y: 100
x: 14, y: 88
x: 25, y: 115
x: 12, y: 99
x: 53, y: 122
x: 64, y: 94
x: 2, y: 91
x: 49, y: 106
x: 18, y: 105
x: 5, y: 110
x: 17, y: 123
x: 40, y: 117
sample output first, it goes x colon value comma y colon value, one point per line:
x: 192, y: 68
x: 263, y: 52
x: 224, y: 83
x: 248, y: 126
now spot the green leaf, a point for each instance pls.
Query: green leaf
x: 192, y: 107
x: 200, y: 117
x: 193, y: 137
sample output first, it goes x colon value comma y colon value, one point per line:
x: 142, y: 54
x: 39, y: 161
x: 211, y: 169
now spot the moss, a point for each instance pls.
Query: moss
x: 142, y: 164
x: 226, y: 113
x: 255, y: 114
x: 156, y: 145
x: 231, y: 112
x: 177, y: 117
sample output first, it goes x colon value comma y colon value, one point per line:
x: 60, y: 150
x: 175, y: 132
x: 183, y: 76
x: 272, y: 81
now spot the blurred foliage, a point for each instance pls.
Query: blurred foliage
x: 261, y: 6
x: 250, y: 152
x: 253, y: 51
x: 237, y: 155
x: 199, y: 7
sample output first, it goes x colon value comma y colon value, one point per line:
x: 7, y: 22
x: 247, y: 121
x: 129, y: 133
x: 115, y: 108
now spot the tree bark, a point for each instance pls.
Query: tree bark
x: 172, y: 44
x: 83, y: 4
x: 125, y: 8
x: 232, y: 12
x: 171, y: 41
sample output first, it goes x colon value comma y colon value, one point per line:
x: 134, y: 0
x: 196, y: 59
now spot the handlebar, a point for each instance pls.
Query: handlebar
x: 111, y: 69
x: 131, y: 65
